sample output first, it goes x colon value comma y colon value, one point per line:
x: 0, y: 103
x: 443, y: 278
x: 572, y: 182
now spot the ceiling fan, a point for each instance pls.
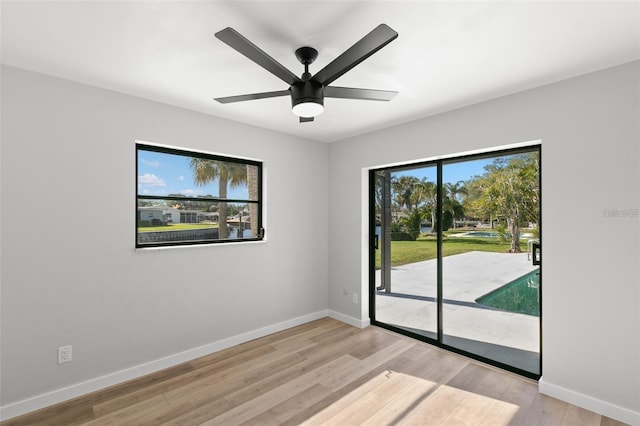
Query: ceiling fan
x: 308, y: 92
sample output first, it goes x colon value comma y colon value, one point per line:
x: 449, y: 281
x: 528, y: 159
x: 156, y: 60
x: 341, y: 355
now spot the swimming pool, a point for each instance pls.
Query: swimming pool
x: 521, y: 295
x: 482, y: 234
x: 489, y: 234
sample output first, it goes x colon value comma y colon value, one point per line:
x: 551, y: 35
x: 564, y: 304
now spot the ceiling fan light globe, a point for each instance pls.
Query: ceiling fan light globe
x: 308, y: 109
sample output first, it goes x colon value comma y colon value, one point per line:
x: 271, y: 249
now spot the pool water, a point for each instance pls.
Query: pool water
x: 490, y: 234
x: 481, y: 234
x: 521, y: 295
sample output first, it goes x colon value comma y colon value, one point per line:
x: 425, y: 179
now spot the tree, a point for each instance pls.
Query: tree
x: 451, y: 209
x: 426, y: 196
x: 509, y: 189
x: 452, y: 190
x: 252, y: 183
x: 404, y: 188
x: 228, y: 174
x: 412, y: 223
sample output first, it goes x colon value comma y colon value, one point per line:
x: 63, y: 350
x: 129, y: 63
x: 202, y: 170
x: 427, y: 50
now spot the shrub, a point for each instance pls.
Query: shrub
x: 403, y: 236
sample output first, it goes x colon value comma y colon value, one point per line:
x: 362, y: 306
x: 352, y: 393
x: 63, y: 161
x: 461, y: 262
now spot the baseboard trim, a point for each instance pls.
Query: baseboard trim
x: 590, y: 403
x: 350, y: 320
x: 64, y: 394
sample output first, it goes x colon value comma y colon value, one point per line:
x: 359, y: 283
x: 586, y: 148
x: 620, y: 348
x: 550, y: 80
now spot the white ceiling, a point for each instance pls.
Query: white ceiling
x: 448, y: 54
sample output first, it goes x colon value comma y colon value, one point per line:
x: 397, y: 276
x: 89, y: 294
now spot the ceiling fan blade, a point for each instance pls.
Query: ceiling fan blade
x: 365, y: 47
x: 238, y: 42
x: 355, y: 93
x: 253, y: 96
x: 306, y: 119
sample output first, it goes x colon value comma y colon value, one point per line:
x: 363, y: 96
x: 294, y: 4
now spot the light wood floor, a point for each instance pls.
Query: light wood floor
x: 322, y: 373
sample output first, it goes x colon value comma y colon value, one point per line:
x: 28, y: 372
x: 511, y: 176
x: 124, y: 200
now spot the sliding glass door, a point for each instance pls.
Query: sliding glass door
x: 452, y: 259
x: 405, y: 286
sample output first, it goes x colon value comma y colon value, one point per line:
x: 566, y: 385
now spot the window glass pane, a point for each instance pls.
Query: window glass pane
x: 490, y: 287
x: 181, y: 198
x: 164, y: 174
x: 166, y: 221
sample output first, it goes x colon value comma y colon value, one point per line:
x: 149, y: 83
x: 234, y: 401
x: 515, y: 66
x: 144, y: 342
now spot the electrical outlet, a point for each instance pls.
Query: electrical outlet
x: 64, y: 354
x: 355, y: 297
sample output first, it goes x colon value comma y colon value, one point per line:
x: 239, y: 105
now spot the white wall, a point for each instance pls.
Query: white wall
x: 70, y: 274
x: 589, y: 127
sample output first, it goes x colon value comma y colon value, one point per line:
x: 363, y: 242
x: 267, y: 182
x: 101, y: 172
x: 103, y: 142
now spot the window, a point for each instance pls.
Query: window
x: 186, y: 198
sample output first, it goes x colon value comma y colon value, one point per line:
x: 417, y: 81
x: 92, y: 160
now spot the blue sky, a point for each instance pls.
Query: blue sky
x: 451, y: 173
x: 162, y: 174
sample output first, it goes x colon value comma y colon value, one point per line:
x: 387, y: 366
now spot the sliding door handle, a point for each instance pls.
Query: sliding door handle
x: 536, y: 254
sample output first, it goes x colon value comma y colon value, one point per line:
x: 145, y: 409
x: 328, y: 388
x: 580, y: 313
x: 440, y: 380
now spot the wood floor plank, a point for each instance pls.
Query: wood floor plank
x: 268, y: 400
x: 200, y: 414
x: 543, y: 410
x: 371, y: 346
x: 131, y: 412
x: 469, y: 377
x: 496, y: 383
x: 404, y: 403
x: 340, y: 332
x: 473, y: 409
x: 436, y: 407
x: 181, y: 409
x: 607, y: 421
x: 326, y: 324
x: 282, y: 412
x: 576, y: 416
x: 376, y: 400
x: 245, y: 372
x: 320, y: 355
x: 342, y: 403
x: 316, y: 357
x: 81, y: 409
x: 295, y: 340
x: 178, y: 382
x: 347, y: 375
x: 321, y: 373
x: 445, y: 367
x: 500, y: 413
x: 235, y: 377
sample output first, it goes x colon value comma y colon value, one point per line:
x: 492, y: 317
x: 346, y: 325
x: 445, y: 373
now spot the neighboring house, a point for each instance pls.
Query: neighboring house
x: 165, y: 215
x: 209, y: 217
x: 159, y: 214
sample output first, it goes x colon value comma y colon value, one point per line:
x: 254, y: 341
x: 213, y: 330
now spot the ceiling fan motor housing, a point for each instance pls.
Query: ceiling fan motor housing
x: 307, y: 91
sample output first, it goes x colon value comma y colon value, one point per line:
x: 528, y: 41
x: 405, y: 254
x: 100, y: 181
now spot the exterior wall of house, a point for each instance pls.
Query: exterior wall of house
x: 590, y: 165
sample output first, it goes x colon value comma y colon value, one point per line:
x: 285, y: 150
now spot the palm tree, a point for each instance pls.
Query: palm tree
x: 426, y: 197
x: 451, y: 210
x: 456, y: 188
x: 454, y: 206
x: 228, y: 174
x: 404, y: 186
x: 252, y: 183
x: 451, y: 202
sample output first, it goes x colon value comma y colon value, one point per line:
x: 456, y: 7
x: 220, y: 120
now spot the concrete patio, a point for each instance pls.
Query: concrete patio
x: 507, y: 337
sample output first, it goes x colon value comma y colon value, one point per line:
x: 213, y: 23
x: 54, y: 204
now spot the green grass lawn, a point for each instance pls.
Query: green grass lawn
x: 403, y: 252
x: 177, y: 227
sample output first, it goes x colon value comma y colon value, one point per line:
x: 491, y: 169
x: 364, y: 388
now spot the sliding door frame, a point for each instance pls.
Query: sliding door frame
x: 439, y: 163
